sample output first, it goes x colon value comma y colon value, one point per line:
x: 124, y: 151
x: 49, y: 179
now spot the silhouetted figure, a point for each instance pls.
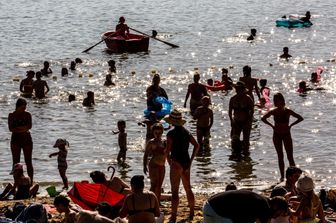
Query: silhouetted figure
x: 253, y: 35
x: 285, y: 54
x: 64, y: 72
x: 73, y: 65
x: 46, y: 69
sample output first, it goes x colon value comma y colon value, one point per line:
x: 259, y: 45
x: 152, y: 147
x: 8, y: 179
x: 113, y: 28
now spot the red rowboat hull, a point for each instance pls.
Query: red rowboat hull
x: 134, y: 43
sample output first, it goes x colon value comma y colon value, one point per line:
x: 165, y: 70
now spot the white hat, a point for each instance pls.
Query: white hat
x: 305, y: 184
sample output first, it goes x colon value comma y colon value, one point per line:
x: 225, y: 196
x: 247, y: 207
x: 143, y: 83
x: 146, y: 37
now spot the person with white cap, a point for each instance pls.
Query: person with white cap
x: 178, y: 140
x: 62, y: 145
x: 22, y: 188
x: 310, y: 208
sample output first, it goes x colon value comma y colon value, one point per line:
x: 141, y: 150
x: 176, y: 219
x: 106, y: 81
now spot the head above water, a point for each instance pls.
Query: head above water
x: 302, y: 85
x: 263, y: 82
x: 253, y: 32
x: 46, y: 64
x: 90, y: 94
x: 111, y: 63
x: 210, y: 82
x: 308, y: 15
x: 285, y: 49
x: 78, y: 60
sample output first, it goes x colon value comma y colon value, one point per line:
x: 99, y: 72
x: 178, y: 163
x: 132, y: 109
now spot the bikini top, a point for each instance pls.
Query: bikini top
x: 134, y: 211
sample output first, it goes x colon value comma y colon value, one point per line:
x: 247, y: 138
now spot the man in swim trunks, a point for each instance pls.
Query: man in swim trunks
x: 178, y: 140
x: 250, y: 82
x: 196, y: 91
x: 241, y: 115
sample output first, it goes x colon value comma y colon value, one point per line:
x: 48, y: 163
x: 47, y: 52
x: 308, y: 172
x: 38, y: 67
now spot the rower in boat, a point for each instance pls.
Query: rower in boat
x: 122, y: 28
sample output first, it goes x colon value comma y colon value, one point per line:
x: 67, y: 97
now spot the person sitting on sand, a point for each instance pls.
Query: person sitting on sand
x: 293, y: 173
x: 89, y: 100
x: 239, y: 206
x: 122, y: 28
x: 196, y: 90
x: 204, y: 116
x: 40, y: 87
x: 253, y: 35
x: 62, y: 205
x: 156, y: 149
x: 26, y: 85
x: 22, y: 188
x: 140, y: 206
x: 108, y: 81
x: 46, y: 69
x: 285, y: 54
x: 116, y: 184
x: 310, y: 208
x: 250, y: 82
x: 306, y: 18
x: 281, y: 130
x: 154, y: 91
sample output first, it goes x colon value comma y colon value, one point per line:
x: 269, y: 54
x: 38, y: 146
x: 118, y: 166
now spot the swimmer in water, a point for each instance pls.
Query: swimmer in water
x: 285, y: 54
x: 253, y: 35
x: 281, y: 130
x: 26, y: 85
x: 46, y: 69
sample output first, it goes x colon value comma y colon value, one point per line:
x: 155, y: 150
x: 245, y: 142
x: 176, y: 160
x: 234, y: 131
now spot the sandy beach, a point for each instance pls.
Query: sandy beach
x: 183, y: 211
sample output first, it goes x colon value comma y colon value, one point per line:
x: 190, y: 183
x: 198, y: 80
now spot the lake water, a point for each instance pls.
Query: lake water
x: 211, y: 35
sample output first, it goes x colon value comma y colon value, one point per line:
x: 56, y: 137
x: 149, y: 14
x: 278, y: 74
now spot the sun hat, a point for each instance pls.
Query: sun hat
x: 175, y: 118
x: 60, y: 142
x: 305, y: 184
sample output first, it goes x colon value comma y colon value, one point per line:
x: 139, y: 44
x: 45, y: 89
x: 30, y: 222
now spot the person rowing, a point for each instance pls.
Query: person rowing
x: 122, y: 28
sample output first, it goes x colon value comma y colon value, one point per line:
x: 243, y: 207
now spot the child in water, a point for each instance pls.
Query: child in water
x: 62, y: 145
x: 155, y: 149
x: 204, y: 116
x: 152, y: 119
x: 122, y: 141
x: 265, y: 93
x: 281, y: 130
x: 112, y: 67
x: 108, y: 81
x: 89, y: 100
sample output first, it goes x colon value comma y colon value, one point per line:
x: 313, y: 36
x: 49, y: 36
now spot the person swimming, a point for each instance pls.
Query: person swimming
x: 253, y: 35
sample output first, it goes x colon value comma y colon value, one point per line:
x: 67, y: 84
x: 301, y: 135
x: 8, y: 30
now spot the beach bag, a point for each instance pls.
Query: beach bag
x: 34, y: 212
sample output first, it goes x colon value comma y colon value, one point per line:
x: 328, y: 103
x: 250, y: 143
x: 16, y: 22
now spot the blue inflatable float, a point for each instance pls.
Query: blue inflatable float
x: 292, y: 23
x: 166, y: 107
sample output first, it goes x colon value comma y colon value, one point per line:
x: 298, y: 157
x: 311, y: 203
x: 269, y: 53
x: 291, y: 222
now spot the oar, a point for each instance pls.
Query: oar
x: 170, y: 44
x: 88, y: 49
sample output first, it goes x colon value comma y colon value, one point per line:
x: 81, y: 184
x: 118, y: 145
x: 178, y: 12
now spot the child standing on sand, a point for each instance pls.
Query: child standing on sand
x: 122, y: 141
x: 204, y: 116
x: 62, y: 145
x: 155, y: 148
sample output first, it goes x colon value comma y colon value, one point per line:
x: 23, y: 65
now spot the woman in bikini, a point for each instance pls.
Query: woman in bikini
x: 19, y: 123
x: 281, y: 130
x: 26, y: 85
x: 156, y: 167
x: 140, y: 206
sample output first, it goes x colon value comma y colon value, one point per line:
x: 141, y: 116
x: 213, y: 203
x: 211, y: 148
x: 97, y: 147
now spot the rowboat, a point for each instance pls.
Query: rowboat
x: 132, y: 44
